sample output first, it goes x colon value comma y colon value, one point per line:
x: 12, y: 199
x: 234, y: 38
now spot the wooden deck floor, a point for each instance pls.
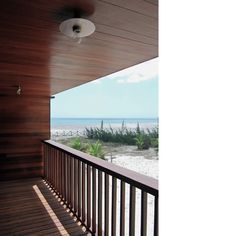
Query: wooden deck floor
x: 28, y: 207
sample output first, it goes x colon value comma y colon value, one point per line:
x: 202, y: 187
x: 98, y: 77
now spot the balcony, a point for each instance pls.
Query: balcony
x: 79, y: 195
x: 40, y: 61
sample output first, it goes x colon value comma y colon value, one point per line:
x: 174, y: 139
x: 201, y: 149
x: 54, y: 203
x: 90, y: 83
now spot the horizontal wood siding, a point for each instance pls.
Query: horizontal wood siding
x: 24, y: 123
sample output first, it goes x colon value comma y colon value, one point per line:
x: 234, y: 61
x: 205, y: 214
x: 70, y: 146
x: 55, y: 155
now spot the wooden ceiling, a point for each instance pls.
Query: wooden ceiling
x: 36, y: 55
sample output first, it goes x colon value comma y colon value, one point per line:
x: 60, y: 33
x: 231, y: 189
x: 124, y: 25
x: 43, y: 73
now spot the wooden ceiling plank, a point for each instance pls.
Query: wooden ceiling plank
x: 139, y: 6
x: 124, y: 19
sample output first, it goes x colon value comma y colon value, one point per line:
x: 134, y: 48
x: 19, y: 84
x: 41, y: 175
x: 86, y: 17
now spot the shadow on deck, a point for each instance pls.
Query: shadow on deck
x: 29, y: 207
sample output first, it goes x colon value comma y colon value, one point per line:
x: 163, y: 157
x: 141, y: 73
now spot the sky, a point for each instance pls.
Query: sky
x: 130, y: 93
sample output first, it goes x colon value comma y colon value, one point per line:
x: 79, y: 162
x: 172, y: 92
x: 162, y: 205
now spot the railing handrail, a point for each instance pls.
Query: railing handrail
x: 146, y: 183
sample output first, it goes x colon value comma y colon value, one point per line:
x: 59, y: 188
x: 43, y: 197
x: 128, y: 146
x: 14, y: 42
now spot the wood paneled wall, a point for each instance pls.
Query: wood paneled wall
x: 25, y: 118
x: 24, y: 123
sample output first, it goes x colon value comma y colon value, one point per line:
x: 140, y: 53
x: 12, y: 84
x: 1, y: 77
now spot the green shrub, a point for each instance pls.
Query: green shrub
x: 155, y: 142
x: 142, y: 141
x: 153, y: 133
x: 139, y: 142
x: 77, y: 144
x: 95, y: 149
x: 146, y: 142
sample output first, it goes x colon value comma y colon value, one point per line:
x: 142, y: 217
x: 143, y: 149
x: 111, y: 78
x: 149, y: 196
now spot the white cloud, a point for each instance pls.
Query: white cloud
x: 120, y: 81
x: 137, y: 78
x: 138, y: 73
x: 97, y: 81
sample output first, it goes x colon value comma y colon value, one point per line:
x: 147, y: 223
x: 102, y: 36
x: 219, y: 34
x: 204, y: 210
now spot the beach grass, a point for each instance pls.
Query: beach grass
x: 142, y: 138
x: 100, y: 141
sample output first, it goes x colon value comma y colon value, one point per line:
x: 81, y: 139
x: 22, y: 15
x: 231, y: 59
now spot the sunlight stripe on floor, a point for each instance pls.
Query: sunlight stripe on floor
x: 51, y: 213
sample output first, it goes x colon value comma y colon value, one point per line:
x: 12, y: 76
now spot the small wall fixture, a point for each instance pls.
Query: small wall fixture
x: 77, y: 28
x: 18, y: 91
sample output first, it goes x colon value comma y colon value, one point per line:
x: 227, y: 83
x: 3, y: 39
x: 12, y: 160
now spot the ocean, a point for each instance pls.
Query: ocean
x: 76, y: 126
x: 70, y: 122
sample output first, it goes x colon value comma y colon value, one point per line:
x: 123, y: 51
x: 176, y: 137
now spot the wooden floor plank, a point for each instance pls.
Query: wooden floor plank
x: 23, y: 213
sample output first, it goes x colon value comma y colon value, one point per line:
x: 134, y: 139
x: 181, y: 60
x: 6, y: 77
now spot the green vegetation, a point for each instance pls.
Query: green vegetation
x: 77, y: 144
x: 138, y: 137
x: 123, y: 136
x: 142, y: 141
x: 98, y: 141
x: 95, y: 149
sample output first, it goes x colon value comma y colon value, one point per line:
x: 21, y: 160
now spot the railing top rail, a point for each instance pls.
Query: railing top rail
x: 143, y: 182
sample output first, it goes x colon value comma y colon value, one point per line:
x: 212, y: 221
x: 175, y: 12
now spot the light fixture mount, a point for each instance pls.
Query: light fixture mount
x: 18, y: 91
x: 77, y: 28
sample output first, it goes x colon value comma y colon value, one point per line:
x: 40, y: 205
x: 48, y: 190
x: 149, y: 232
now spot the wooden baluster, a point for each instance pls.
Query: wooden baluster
x: 79, y: 191
x: 94, y: 201
x: 64, y: 176
x: 114, y: 206
x: 107, y: 223
x: 67, y: 179
x: 100, y: 206
x: 61, y: 171
x: 122, y: 208
x: 83, y: 193
x: 43, y: 152
x: 48, y: 164
x: 156, y: 216
x: 72, y: 182
x: 45, y: 160
x: 52, y: 166
x: 88, y: 196
x: 48, y: 179
x: 132, y: 205
x: 143, y: 213
x: 68, y: 176
x: 76, y: 186
x: 48, y: 171
x: 56, y: 171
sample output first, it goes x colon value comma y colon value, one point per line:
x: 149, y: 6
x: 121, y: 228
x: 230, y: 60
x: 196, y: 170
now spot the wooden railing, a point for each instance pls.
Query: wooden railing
x: 104, y: 197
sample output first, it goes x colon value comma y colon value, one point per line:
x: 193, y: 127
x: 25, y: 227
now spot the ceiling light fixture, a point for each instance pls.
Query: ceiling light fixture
x: 77, y: 28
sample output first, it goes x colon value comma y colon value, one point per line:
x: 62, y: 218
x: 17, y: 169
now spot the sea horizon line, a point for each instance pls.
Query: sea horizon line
x: 120, y: 118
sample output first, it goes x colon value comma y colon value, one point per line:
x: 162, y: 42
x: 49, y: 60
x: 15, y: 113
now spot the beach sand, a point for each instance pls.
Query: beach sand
x: 59, y: 131
x: 139, y: 164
